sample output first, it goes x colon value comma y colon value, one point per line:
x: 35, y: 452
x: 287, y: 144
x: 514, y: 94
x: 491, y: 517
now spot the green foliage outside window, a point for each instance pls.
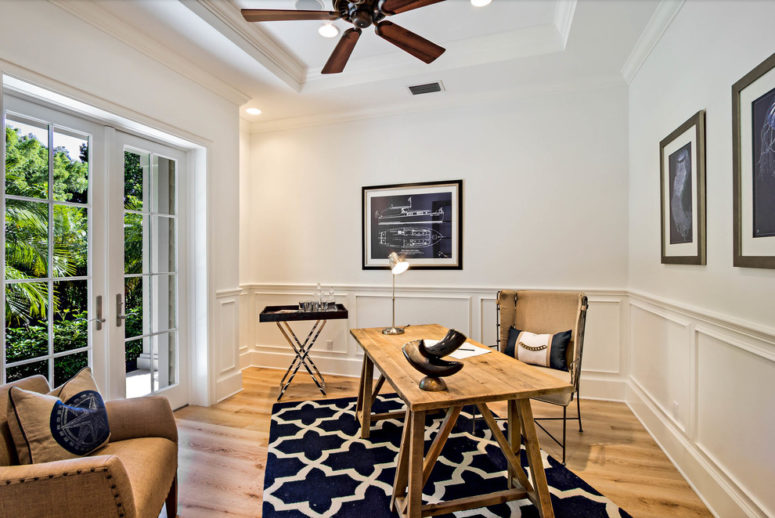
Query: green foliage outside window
x: 26, y: 250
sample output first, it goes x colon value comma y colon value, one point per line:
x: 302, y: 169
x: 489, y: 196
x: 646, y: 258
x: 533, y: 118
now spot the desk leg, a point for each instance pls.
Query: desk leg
x: 402, y: 466
x: 416, y: 444
x: 364, y: 399
x: 544, y: 501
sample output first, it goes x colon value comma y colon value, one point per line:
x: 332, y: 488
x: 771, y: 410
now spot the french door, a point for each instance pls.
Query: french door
x: 91, y: 276
x: 145, y: 226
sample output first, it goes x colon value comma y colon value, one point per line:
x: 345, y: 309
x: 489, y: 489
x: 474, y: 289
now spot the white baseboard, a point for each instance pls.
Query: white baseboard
x: 592, y: 386
x: 228, y: 385
x: 278, y: 360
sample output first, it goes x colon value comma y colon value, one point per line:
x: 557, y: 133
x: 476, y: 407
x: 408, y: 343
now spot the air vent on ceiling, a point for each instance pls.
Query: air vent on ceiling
x: 427, y: 88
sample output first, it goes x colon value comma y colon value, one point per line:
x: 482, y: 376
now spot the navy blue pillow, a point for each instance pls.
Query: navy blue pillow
x: 560, y: 343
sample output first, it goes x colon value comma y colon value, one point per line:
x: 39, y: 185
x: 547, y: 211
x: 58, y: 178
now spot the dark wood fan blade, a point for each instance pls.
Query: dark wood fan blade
x: 391, y: 7
x: 410, y: 42
x: 341, y: 53
x: 279, y: 15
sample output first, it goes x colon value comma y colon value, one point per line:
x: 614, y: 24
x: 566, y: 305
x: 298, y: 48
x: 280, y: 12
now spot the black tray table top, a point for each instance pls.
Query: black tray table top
x: 293, y: 313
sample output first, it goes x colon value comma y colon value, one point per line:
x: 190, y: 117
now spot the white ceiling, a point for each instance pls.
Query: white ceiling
x: 508, y: 47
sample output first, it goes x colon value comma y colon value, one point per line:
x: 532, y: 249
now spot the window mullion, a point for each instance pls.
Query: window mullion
x: 49, y: 280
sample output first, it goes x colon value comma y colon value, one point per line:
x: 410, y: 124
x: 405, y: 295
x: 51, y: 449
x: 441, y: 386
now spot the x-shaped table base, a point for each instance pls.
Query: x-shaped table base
x: 302, y: 355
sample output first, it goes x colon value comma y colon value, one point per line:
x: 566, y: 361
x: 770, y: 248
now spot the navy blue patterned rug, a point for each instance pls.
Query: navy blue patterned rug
x: 319, y: 466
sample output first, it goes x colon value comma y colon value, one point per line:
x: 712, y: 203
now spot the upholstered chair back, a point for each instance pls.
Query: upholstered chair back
x: 545, y: 312
x: 35, y: 383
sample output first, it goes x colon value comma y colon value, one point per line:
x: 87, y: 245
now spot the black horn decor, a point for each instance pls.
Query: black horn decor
x: 428, y: 360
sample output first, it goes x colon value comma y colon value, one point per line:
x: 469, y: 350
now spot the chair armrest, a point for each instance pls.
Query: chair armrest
x: 149, y: 416
x: 86, y: 487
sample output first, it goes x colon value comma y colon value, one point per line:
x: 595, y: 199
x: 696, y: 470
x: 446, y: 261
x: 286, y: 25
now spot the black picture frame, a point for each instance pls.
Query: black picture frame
x: 682, y: 193
x: 753, y: 165
x: 422, y: 221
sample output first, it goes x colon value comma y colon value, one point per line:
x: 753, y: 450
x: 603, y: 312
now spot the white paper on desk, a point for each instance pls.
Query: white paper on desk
x: 465, y: 351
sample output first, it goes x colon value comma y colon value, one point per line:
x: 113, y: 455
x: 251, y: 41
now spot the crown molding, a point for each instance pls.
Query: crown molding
x: 563, y: 18
x: 225, y: 17
x: 444, y: 101
x: 93, y: 14
x: 655, y: 28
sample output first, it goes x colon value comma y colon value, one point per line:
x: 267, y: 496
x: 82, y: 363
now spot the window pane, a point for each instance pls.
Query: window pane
x: 134, y: 234
x: 163, y: 185
x: 28, y: 369
x: 71, y: 167
x: 163, y: 306
x: 26, y: 159
x: 71, y: 320
x: 65, y: 367
x: 163, y: 244
x: 71, y: 231
x: 135, y: 167
x: 26, y: 326
x: 134, y: 291
x: 164, y: 360
x: 26, y: 239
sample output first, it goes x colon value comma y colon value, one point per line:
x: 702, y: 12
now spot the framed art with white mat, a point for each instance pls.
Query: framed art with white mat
x: 753, y: 148
x: 421, y: 222
x: 682, y: 192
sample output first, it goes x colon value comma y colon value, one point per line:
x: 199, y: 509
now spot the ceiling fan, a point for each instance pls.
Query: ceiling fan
x: 361, y: 13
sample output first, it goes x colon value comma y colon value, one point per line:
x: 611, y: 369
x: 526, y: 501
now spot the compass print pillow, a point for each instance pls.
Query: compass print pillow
x: 69, y: 422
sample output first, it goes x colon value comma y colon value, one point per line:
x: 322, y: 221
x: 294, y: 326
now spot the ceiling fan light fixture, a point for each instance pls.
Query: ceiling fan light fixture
x: 328, y: 30
x: 480, y: 3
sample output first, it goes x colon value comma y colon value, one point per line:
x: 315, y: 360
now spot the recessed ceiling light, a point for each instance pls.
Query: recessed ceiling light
x: 328, y: 30
x: 480, y: 3
x: 253, y: 111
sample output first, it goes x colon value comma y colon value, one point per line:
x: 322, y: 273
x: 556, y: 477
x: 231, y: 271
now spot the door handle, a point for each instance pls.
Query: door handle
x: 120, y: 316
x: 99, y: 320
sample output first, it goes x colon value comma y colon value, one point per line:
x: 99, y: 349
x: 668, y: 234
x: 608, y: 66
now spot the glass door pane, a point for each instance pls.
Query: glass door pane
x: 149, y: 271
x: 47, y: 233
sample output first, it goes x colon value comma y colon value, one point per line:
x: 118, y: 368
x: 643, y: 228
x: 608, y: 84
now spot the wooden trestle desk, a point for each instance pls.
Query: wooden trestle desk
x: 483, y: 379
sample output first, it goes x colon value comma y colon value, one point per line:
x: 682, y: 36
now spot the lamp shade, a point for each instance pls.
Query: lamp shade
x: 397, y: 263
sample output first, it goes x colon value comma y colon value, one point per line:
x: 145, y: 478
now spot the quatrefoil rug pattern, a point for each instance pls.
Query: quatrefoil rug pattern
x: 318, y: 466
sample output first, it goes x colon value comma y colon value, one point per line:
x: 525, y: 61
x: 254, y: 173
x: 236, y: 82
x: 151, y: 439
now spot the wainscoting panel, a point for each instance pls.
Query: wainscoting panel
x: 227, y: 347
x: 375, y: 310
x: 470, y: 310
x: 720, y: 374
x: 661, y: 349
x: 602, y: 338
x: 735, y: 414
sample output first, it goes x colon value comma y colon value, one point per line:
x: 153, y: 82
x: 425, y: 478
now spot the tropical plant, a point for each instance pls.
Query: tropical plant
x: 27, y: 224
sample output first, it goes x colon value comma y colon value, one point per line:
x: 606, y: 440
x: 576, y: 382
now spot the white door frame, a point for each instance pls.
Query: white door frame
x: 27, y: 84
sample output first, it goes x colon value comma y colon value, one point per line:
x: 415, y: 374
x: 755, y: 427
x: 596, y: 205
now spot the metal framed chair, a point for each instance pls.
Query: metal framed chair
x: 541, y: 311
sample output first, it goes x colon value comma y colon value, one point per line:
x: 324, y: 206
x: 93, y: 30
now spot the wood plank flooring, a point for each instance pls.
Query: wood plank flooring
x: 223, y: 451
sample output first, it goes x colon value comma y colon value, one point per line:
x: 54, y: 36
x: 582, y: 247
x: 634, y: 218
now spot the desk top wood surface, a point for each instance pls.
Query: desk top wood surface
x: 484, y: 378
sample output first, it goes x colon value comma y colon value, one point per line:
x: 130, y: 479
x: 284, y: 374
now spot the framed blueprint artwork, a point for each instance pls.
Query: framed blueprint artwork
x: 682, y: 192
x: 753, y: 153
x: 421, y: 221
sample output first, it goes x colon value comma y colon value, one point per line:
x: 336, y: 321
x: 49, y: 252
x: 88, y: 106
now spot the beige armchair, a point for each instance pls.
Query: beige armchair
x: 549, y: 312
x: 132, y: 477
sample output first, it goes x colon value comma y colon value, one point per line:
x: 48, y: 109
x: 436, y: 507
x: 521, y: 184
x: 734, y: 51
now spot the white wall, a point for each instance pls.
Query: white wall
x: 702, y: 337
x: 42, y: 43
x: 544, y: 182
x: 545, y: 191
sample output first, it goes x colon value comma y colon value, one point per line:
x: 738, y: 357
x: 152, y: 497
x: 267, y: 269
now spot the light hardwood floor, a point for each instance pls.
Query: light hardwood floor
x: 223, y: 451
